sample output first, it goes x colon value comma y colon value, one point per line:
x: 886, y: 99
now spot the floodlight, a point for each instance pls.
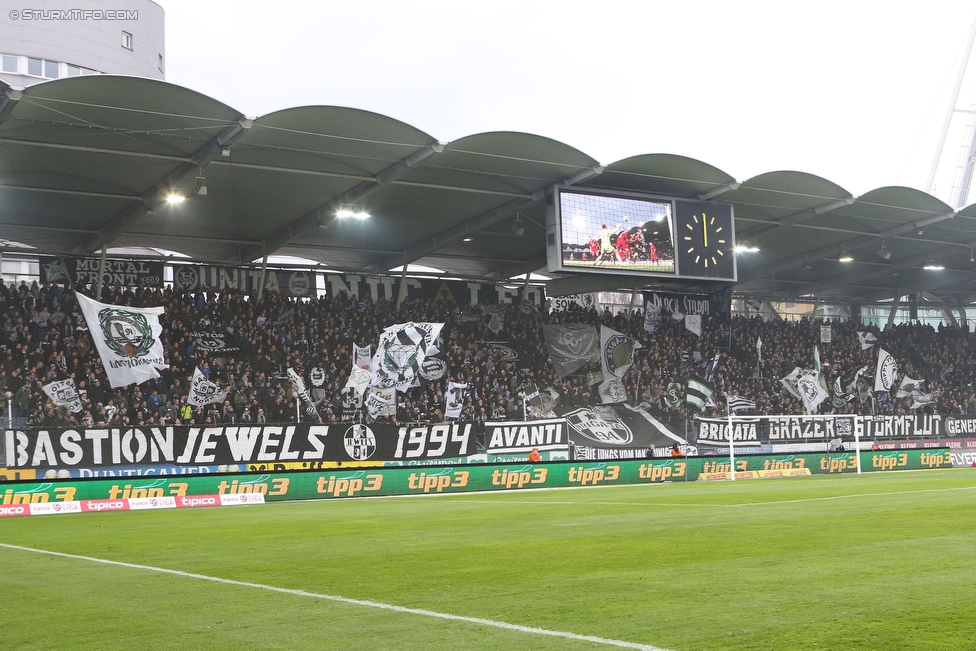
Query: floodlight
x: 932, y: 265
x: 845, y: 257
x: 200, y: 186
x: 175, y: 198
x: 884, y: 253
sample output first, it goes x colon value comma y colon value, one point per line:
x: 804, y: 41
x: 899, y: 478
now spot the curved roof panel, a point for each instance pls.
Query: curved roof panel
x: 665, y: 174
x: 86, y: 162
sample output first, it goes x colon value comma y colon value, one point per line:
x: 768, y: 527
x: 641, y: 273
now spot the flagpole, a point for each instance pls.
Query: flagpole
x: 728, y: 406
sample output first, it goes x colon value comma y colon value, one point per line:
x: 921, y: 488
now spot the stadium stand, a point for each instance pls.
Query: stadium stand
x: 45, y: 339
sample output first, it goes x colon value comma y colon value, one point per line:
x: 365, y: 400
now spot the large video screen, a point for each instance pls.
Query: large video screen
x: 615, y: 234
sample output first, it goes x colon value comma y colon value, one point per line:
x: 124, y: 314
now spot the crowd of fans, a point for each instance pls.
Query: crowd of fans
x: 46, y: 339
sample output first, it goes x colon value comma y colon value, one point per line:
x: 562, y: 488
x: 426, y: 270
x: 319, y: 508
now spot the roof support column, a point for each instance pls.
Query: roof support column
x: 402, y: 293
x: 633, y: 300
x: 894, y: 310
x: 101, y: 273
x: 264, y: 270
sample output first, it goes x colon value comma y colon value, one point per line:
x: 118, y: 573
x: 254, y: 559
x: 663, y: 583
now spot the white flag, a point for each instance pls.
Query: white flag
x: 759, y: 348
x: 612, y: 391
x: 64, y: 394
x: 299, y: 385
x: 867, y: 339
x: 616, y: 352
x: 693, y: 323
x: 736, y: 403
x: 903, y: 388
x: 652, y: 317
x: 884, y: 376
x: 127, y: 340
x: 203, y: 391
x: 381, y: 401
x: 825, y: 334
x: 454, y: 398
x: 362, y: 356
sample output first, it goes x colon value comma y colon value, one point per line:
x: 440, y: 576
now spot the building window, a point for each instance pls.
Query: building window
x: 34, y: 67
x: 127, y: 40
x: 87, y: 71
x: 73, y: 71
x: 52, y: 69
x: 10, y: 63
x: 161, y: 63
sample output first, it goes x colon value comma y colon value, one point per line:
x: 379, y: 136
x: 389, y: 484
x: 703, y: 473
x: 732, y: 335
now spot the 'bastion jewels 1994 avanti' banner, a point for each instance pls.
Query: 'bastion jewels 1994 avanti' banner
x: 365, y: 482
x: 260, y: 444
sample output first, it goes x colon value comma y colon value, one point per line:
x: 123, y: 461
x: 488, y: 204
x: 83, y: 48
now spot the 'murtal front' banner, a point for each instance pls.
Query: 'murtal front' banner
x: 788, y: 429
x: 449, y: 292
x: 243, y: 280
x: 101, y: 447
x: 128, y: 273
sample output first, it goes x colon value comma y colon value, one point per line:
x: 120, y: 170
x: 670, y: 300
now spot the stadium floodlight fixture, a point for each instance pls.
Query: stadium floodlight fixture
x: 467, y: 239
x: 932, y: 265
x: 845, y: 257
x: 175, y: 198
x: 746, y: 247
x: 971, y: 258
x: 200, y: 185
x: 884, y: 253
x: 352, y: 211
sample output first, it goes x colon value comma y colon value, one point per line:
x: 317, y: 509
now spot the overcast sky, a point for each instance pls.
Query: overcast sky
x: 852, y: 91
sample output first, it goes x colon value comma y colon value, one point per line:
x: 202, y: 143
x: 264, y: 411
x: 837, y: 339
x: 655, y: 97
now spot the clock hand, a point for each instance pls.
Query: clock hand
x: 705, y: 229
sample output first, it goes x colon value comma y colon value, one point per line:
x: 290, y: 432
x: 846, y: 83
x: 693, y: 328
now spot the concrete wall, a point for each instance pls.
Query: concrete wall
x: 82, y: 36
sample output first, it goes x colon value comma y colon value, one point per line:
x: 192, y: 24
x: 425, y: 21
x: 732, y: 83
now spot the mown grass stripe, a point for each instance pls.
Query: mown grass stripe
x: 355, y: 602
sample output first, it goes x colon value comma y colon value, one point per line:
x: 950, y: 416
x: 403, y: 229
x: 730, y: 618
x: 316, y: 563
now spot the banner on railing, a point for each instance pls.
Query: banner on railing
x: 445, y: 292
x: 517, y: 437
x: 127, y: 273
x: 243, y: 280
x: 261, y: 444
x: 798, y: 429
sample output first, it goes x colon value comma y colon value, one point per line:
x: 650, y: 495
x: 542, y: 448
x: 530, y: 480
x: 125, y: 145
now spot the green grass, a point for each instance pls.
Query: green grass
x: 830, y: 562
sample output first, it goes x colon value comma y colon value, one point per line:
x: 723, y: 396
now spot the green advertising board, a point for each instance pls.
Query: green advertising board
x: 365, y: 482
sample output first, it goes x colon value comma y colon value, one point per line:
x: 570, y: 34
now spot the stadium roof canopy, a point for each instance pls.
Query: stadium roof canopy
x: 87, y: 162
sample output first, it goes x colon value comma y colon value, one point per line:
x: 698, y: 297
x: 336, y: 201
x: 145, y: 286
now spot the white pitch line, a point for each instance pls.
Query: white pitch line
x: 355, y: 602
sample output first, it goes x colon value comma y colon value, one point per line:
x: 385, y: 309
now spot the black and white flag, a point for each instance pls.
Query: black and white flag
x: 64, y: 394
x: 380, y: 402
x: 652, y: 317
x: 127, y: 339
x: 401, y: 351
x: 571, y: 345
x: 738, y: 403
x: 361, y: 356
x: 612, y: 391
x: 454, y: 399
x: 884, y: 375
x: 616, y: 352
x: 700, y: 388
x: 496, y: 316
x: 299, y: 385
x: 203, y: 391
x: 867, y: 339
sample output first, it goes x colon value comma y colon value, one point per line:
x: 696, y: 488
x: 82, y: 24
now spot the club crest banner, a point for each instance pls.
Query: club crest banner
x: 127, y: 340
x: 64, y: 394
x: 401, y: 352
x: 203, y: 391
x: 616, y: 352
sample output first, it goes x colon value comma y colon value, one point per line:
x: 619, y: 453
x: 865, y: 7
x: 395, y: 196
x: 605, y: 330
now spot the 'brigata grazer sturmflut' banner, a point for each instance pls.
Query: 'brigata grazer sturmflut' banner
x: 794, y: 429
x: 98, y: 447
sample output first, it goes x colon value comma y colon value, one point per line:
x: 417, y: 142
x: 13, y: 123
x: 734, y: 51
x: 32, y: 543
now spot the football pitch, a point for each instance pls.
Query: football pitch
x: 878, y: 561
